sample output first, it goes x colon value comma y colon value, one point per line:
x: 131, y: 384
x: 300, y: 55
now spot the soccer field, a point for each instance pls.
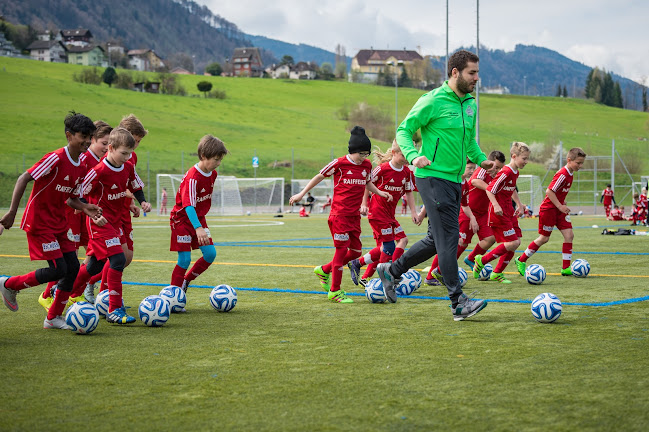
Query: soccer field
x: 287, y: 359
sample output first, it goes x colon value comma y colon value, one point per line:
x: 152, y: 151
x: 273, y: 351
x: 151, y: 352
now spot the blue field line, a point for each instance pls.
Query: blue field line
x: 290, y: 291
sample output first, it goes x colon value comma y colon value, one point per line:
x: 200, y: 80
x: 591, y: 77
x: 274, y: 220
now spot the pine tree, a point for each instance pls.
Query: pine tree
x: 644, y: 98
x: 558, y: 94
x: 565, y: 92
x: 617, y: 95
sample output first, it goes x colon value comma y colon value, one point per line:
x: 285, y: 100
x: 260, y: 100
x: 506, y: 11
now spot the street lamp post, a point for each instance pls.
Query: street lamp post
x: 396, y: 65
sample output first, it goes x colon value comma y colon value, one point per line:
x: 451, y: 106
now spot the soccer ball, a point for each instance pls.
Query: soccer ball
x: 410, y: 282
x: 546, y: 308
x: 101, y: 303
x: 535, y: 274
x: 82, y: 317
x: 374, y: 291
x: 175, y: 297
x: 485, y: 272
x: 580, y: 268
x: 154, y: 311
x: 462, y: 276
x: 223, y: 298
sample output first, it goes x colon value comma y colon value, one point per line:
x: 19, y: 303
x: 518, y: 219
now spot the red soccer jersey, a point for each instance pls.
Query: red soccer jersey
x: 478, y: 200
x: 133, y: 159
x: 349, y: 184
x: 91, y: 159
x: 106, y: 186
x: 195, y: 190
x: 504, y: 186
x: 56, y: 178
x: 560, y: 185
x: 608, y: 196
x: 643, y: 201
x: 465, y: 193
x: 395, y: 182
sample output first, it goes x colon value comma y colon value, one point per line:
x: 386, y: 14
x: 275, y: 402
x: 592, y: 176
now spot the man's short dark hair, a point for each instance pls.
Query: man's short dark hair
x: 459, y: 59
x: 496, y: 155
x: 75, y: 122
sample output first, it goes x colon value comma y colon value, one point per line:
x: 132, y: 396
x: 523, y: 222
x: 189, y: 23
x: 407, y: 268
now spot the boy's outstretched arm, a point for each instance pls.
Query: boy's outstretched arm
x: 21, y: 184
x: 312, y: 183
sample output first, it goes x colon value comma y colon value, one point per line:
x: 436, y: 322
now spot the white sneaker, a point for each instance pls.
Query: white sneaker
x: 89, y: 293
x: 56, y: 323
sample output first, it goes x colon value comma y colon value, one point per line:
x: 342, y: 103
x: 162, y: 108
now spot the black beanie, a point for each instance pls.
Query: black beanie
x: 358, y: 141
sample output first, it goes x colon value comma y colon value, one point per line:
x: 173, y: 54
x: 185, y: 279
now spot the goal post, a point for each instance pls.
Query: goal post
x: 530, y: 191
x: 231, y: 196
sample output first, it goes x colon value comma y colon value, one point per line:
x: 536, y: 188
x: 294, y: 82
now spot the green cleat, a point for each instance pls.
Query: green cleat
x: 499, y: 277
x: 324, y: 278
x: 477, y: 266
x: 566, y: 272
x: 339, y: 296
x: 45, y: 302
x: 520, y: 266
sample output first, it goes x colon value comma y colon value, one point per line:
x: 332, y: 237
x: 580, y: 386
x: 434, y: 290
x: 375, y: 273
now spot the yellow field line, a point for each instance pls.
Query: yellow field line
x: 311, y: 266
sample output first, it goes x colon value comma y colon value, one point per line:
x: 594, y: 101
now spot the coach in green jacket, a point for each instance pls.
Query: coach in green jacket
x: 446, y: 117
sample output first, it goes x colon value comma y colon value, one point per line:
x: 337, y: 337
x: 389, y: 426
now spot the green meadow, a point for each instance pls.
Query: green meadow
x: 286, y: 359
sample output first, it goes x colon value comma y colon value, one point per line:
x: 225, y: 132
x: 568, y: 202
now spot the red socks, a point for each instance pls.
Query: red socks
x: 477, y: 250
x: 199, y: 267
x: 104, y: 277
x: 567, y: 255
x: 60, y: 300
x: 397, y: 254
x: 336, y: 268
x: 499, y: 251
x: 18, y: 283
x: 178, y: 276
x: 115, y: 289
x: 80, y: 282
x: 503, y: 261
x: 531, y: 249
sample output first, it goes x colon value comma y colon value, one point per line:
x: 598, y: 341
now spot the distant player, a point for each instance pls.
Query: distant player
x: 639, y: 216
x: 393, y: 176
x: 163, y: 202
x: 607, y: 198
x: 555, y: 212
x: 468, y: 225
x: 189, y: 228
x: 57, y: 180
x: 479, y: 205
x: 351, y: 174
x: 106, y: 185
x: 617, y: 213
x: 325, y: 204
x: 503, y: 218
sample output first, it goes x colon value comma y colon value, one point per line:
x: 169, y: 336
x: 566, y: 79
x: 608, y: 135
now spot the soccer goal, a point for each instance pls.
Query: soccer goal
x: 232, y: 195
x: 530, y: 191
x: 319, y: 192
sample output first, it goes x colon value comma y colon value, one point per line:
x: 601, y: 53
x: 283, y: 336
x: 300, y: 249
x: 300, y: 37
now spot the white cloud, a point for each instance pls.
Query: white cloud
x: 594, y: 32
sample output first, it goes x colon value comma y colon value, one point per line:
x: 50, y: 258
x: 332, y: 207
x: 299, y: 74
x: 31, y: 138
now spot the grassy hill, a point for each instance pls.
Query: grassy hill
x: 273, y: 119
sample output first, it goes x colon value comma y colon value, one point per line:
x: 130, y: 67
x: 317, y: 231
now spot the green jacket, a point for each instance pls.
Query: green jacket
x: 447, y: 126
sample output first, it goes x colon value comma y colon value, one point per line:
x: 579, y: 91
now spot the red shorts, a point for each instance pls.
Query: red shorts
x: 78, y: 231
x: 183, y: 236
x: 607, y: 209
x: 551, y: 217
x: 128, y: 232
x: 385, y: 231
x: 505, y: 228
x: 49, y: 246
x: 484, y: 230
x: 105, y: 241
x: 346, y: 231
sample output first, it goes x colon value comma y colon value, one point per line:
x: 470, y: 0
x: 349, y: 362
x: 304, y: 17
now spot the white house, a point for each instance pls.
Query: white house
x: 48, y: 50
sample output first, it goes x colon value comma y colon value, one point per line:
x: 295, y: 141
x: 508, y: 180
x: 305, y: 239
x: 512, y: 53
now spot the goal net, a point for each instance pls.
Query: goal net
x: 231, y: 196
x: 319, y: 192
x: 530, y: 191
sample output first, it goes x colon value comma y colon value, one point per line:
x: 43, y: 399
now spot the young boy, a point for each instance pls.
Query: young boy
x: 393, y: 176
x: 351, y: 174
x: 555, y: 212
x: 106, y: 185
x: 57, y: 179
x: 606, y: 198
x: 479, y: 205
x: 617, y: 213
x: 503, y: 219
x: 77, y: 221
x: 193, y: 200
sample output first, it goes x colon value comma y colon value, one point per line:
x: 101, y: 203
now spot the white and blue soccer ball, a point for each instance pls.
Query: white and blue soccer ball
x: 546, y: 308
x: 580, y: 268
x: 535, y: 274
x: 410, y: 282
x: 223, y: 298
x: 485, y: 273
x: 82, y: 317
x: 154, y: 311
x: 374, y: 291
x: 462, y: 276
x: 101, y: 303
x: 175, y: 297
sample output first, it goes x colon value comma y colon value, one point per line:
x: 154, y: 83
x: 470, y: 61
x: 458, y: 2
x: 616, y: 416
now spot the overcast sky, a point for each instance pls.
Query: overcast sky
x: 609, y: 34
